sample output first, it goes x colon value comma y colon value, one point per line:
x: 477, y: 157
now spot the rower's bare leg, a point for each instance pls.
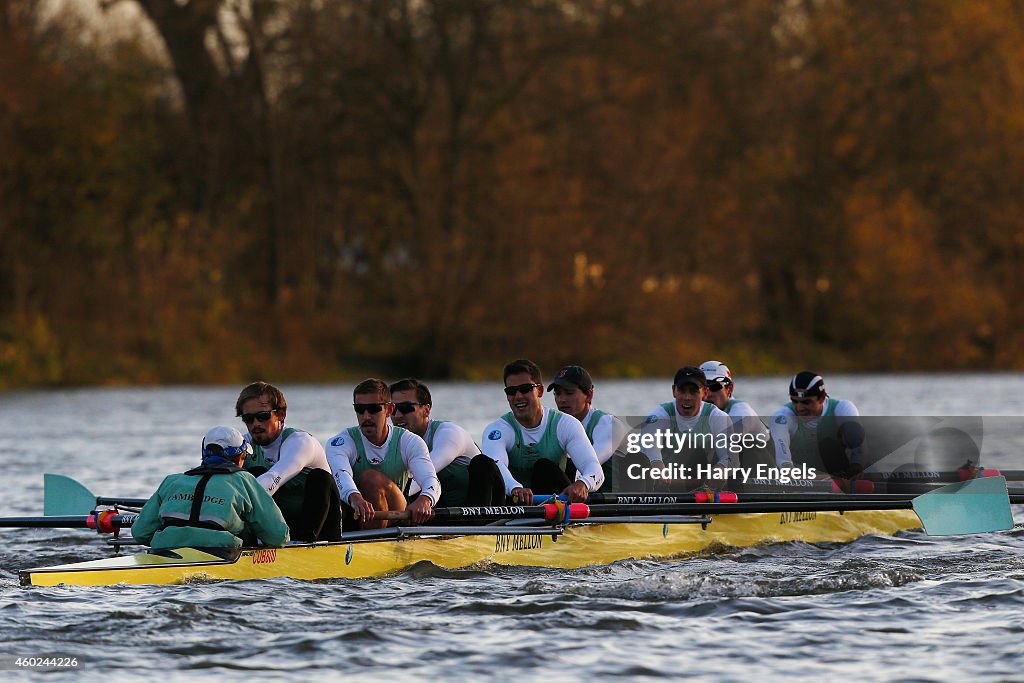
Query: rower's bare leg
x: 382, y: 493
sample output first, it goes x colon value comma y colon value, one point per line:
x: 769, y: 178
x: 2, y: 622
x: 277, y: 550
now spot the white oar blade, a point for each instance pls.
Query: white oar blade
x: 975, y: 506
x: 63, y: 496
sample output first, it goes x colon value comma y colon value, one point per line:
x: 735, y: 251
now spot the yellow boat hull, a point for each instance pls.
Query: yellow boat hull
x: 577, y: 545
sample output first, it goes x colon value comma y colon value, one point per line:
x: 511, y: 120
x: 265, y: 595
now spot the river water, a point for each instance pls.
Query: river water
x: 909, y: 607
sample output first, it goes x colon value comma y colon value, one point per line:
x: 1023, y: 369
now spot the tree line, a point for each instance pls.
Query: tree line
x: 219, y: 190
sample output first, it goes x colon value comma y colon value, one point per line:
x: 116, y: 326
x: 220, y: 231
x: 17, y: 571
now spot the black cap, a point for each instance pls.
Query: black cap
x: 571, y: 377
x: 806, y: 383
x: 690, y: 374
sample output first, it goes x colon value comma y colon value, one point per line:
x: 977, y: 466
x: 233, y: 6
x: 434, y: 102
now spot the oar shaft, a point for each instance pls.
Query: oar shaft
x: 66, y: 522
x: 106, y: 523
x: 493, y: 512
x: 1016, y: 497
x: 835, y: 505
x: 926, y: 476
x: 582, y: 511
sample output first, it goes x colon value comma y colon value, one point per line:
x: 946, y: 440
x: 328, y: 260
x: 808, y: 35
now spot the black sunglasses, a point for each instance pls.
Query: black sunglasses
x: 521, y: 389
x: 372, y: 408
x: 262, y: 416
x: 406, y: 407
x: 717, y: 386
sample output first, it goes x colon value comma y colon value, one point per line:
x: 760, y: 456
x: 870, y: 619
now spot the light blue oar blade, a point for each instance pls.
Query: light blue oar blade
x: 63, y: 496
x: 975, y: 506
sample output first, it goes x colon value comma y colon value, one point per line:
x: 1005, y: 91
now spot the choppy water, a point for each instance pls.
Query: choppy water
x: 883, y: 608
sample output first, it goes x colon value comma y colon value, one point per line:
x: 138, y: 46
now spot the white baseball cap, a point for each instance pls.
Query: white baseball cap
x: 716, y: 371
x: 230, y: 440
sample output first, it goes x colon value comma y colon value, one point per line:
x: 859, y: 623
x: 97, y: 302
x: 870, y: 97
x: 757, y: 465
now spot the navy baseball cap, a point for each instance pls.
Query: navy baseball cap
x: 572, y: 377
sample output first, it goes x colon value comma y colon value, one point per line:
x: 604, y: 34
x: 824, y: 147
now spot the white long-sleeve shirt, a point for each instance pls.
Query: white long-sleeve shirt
x: 452, y: 444
x: 342, y: 455
x: 719, y: 423
x: 785, y: 422
x: 608, y: 434
x: 500, y: 438
x: 300, y: 450
x: 745, y: 419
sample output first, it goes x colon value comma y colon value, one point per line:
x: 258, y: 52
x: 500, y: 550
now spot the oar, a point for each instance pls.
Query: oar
x: 973, y: 506
x: 104, y: 522
x: 1016, y: 498
x: 63, y: 496
x: 549, y: 512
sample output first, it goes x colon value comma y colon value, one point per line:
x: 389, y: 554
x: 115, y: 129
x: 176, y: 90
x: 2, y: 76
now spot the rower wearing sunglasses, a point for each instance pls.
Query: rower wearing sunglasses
x: 817, y: 430
x: 531, y: 443
x: 214, y: 505
x: 290, y: 464
x: 375, y: 463
x: 467, y: 477
x: 744, y: 418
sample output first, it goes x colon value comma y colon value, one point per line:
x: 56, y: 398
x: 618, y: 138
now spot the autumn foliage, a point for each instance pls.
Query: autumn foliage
x: 211, y: 191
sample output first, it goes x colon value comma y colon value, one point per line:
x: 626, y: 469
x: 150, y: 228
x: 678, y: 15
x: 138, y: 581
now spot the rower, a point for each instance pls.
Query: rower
x: 744, y: 418
x: 816, y: 430
x: 468, y: 478
x: 374, y: 463
x: 290, y: 464
x: 574, y: 395
x: 702, y: 432
x: 211, y: 506
x: 531, y: 443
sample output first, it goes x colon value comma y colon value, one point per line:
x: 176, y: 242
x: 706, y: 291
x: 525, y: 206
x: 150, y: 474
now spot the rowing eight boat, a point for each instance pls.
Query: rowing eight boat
x: 394, y: 550
x: 577, y: 535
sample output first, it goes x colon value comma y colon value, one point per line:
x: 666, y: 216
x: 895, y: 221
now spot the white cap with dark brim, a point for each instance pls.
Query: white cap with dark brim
x: 716, y: 371
x: 229, y: 440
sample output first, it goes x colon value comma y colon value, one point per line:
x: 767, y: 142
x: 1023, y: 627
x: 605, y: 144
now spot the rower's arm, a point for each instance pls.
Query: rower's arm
x: 657, y: 421
x: 297, y: 453
x: 448, y: 445
x: 605, y: 438
x: 417, y: 461
x: 721, y: 428
x: 341, y: 452
x: 782, y: 426
x: 851, y: 432
x: 498, y: 439
x: 745, y: 420
x: 149, y: 521
x: 572, y: 437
